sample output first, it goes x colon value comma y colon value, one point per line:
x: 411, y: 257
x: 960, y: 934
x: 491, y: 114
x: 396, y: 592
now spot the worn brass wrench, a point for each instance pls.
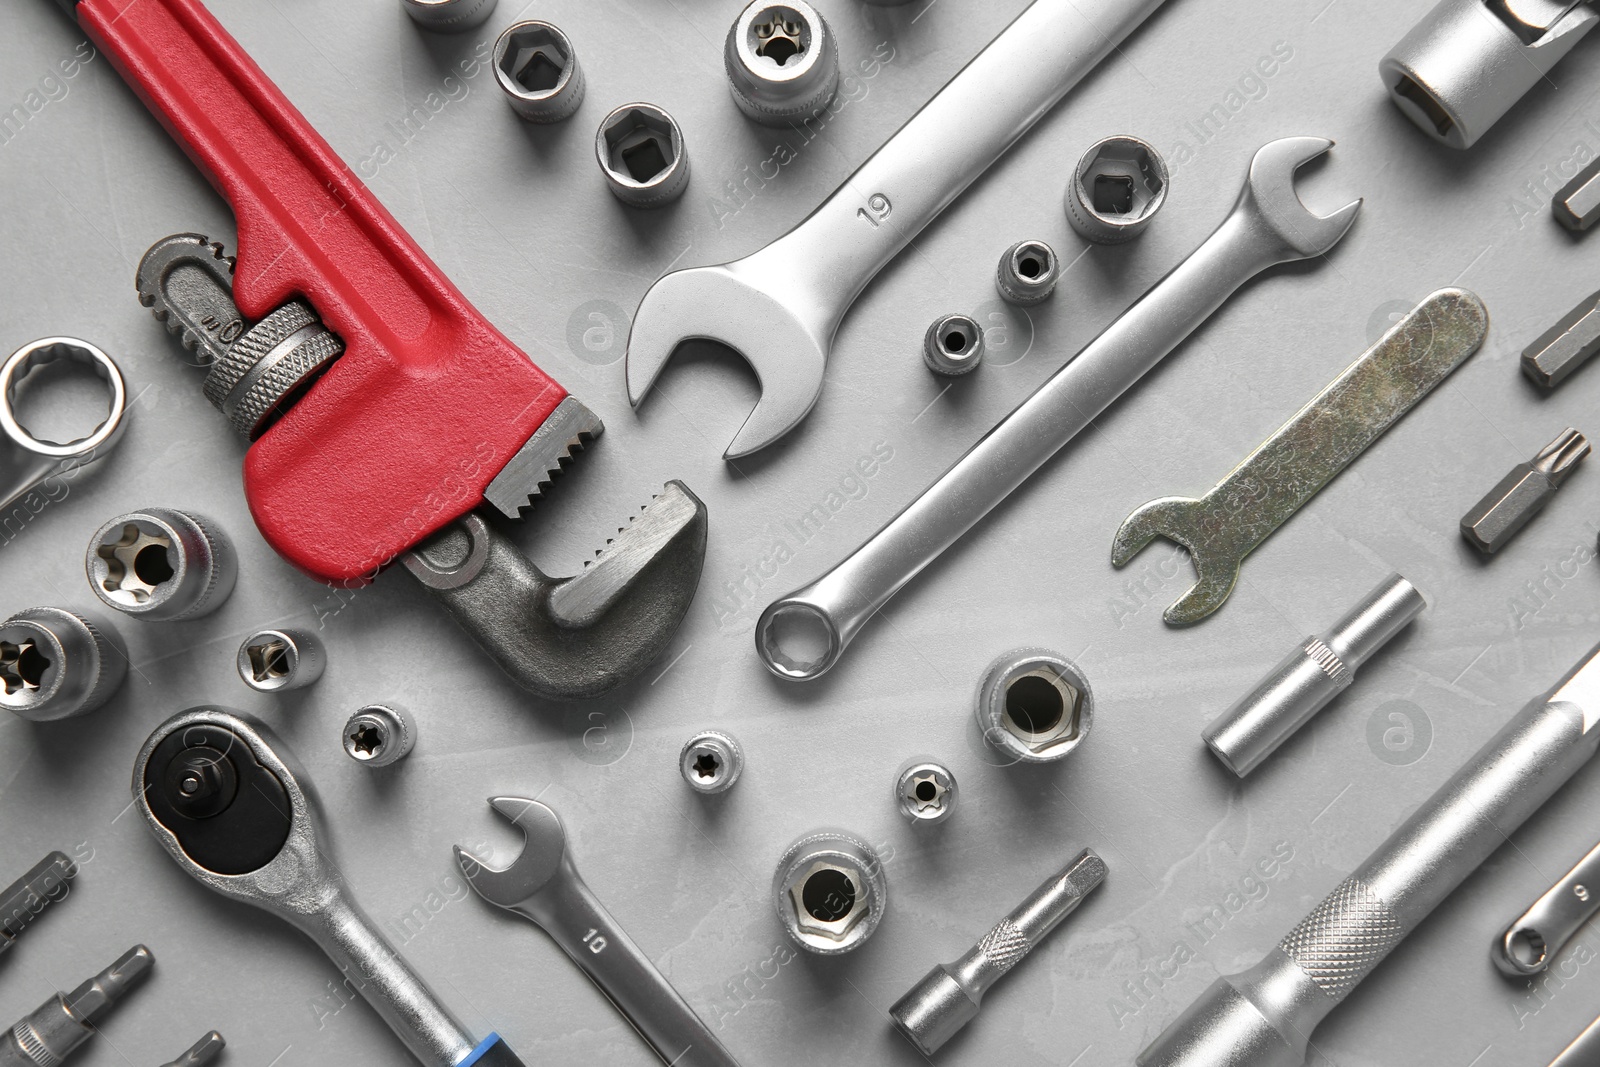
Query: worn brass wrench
x: 543, y: 885
x: 803, y: 634
x: 1307, y: 452
x: 780, y: 307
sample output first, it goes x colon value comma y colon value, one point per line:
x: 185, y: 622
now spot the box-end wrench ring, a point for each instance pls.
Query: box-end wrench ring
x: 803, y: 634
x: 26, y: 461
x: 1528, y: 945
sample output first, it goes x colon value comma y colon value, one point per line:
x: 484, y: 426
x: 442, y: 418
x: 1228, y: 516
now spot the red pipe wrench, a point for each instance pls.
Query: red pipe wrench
x: 429, y: 401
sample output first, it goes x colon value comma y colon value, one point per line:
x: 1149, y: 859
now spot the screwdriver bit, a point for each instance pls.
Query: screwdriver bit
x: 23, y: 900
x: 1577, y: 205
x: 1523, y: 493
x: 55, y: 1030
x: 1566, y: 346
x: 204, y: 1051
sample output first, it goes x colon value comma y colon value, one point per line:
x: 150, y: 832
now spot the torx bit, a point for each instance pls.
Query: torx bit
x: 948, y: 999
x: 55, y: 1030
x: 1577, y: 205
x: 204, y: 1051
x: 1566, y: 346
x: 1523, y: 493
x: 23, y: 900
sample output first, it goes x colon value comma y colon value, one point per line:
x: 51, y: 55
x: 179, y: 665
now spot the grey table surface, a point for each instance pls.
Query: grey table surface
x: 1206, y: 873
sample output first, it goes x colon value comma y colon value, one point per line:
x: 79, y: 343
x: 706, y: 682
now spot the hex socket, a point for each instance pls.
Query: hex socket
x: 274, y: 661
x: 537, y: 68
x: 643, y: 155
x: 1304, y: 682
x: 830, y: 892
x: 449, y: 16
x: 1027, y: 273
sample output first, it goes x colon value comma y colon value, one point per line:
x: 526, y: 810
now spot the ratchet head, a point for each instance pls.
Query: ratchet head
x: 543, y: 855
x: 1269, y: 193
x: 729, y: 306
x: 230, y: 811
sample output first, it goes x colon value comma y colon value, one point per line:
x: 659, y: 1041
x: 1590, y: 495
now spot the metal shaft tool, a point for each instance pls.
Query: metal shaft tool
x: 1538, y: 936
x: 1523, y: 493
x: 228, y: 809
x: 1264, y: 1017
x: 543, y: 885
x: 1304, y: 682
x: 201, y: 1052
x: 1307, y: 452
x: 780, y: 307
x: 56, y: 1029
x: 21, y: 902
x: 1566, y: 346
x: 949, y: 997
x: 803, y: 634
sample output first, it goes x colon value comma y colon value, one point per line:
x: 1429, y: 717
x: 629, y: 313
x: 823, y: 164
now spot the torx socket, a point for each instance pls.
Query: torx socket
x: 1523, y: 493
x: 23, y: 900
x: 782, y: 62
x: 379, y: 735
x: 57, y: 1028
x: 948, y: 999
x: 161, y: 564
x: 55, y: 664
x: 1309, y: 677
x: 274, y: 661
x: 1566, y: 346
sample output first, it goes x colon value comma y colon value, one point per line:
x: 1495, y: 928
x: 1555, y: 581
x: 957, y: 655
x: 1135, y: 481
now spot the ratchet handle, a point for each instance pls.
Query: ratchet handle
x: 945, y: 147
x: 575, y: 919
x: 429, y: 400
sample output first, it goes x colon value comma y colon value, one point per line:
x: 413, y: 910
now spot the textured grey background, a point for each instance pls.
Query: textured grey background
x: 519, y: 217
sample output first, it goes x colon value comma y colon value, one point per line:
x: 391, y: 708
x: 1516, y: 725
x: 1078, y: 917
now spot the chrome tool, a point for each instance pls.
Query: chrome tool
x: 1522, y: 494
x: 58, y: 1028
x: 1529, y: 944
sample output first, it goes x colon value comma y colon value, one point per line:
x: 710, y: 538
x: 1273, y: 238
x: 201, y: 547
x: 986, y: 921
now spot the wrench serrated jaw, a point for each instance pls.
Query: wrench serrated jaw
x: 563, y: 433
x: 1271, y: 184
x: 581, y: 600
x: 730, y: 307
x: 543, y: 852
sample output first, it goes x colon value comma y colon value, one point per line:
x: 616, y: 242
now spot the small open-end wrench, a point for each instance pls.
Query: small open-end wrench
x: 1529, y: 944
x: 1307, y: 452
x: 543, y: 885
x: 229, y: 810
x: 803, y: 634
x: 780, y: 307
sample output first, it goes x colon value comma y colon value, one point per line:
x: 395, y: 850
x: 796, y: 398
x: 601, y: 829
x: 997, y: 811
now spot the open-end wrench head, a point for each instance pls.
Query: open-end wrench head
x: 1182, y: 520
x: 543, y: 854
x: 729, y: 306
x: 1271, y: 185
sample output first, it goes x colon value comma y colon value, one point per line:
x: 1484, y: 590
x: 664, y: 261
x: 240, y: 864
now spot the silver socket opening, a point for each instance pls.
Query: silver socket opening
x: 37, y: 458
x: 925, y: 791
x: 55, y: 664
x: 711, y: 762
x: 1034, y: 705
x: 1117, y: 188
x: 782, y: 62
x: 830, y: 892
x: 273, y: 661
x: 449, y: 16
x: 953, y: 345
x: 643, y: 155
x: 1028, y: 273
x: 537, y: 68
x: 161, y: 564
x: 379, y: 735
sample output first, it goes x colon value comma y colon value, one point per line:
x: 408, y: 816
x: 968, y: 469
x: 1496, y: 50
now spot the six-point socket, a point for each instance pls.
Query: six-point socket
x: 953, y: 345
x: 538, y: 70
x: 273, y: 661
x: 782, y: 61
x: 830, y: 892
x: 1028, y: 273
x: 55, y: 664
x: 1034, y: 705
x: 161, y: 564
x: 643, y: 155
x: 1117, y: 188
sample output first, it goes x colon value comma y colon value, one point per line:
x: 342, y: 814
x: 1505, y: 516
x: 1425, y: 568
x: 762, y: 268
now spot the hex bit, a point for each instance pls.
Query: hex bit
x: 27, y: 897
x: 1577, y: 204
x: 948, y: 999
x: 55, y: 1030
x: 1566, y: 346
x: 1523, y: 493
x: 203, y: 1052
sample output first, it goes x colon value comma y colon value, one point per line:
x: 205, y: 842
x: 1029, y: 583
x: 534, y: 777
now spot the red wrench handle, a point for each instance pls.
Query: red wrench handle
x: 429, y: 400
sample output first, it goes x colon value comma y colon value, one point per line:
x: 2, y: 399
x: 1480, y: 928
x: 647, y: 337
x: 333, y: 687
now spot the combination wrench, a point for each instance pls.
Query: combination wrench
x: 1528, y: 945
x: 543, y: 885
x: 229, y: 810
x: 780, y: 307
x: 802, y: 635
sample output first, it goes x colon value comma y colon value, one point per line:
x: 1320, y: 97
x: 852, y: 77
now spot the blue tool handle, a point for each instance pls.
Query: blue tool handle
x: 492, y: 1052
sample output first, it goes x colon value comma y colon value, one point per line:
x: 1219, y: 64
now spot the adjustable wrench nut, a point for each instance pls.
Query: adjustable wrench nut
x: 782, y: 62
x: 1028, y: 273
x: 538, y: 70
x: 1034, y: 705
x: 56, y: 664
x: 953, y: 345
x: 643, y: 155
x: 449, y: 16
x: 161, y: 564
x: 1117, y: 188
x: 276, y: 661
x: 830, y: 892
